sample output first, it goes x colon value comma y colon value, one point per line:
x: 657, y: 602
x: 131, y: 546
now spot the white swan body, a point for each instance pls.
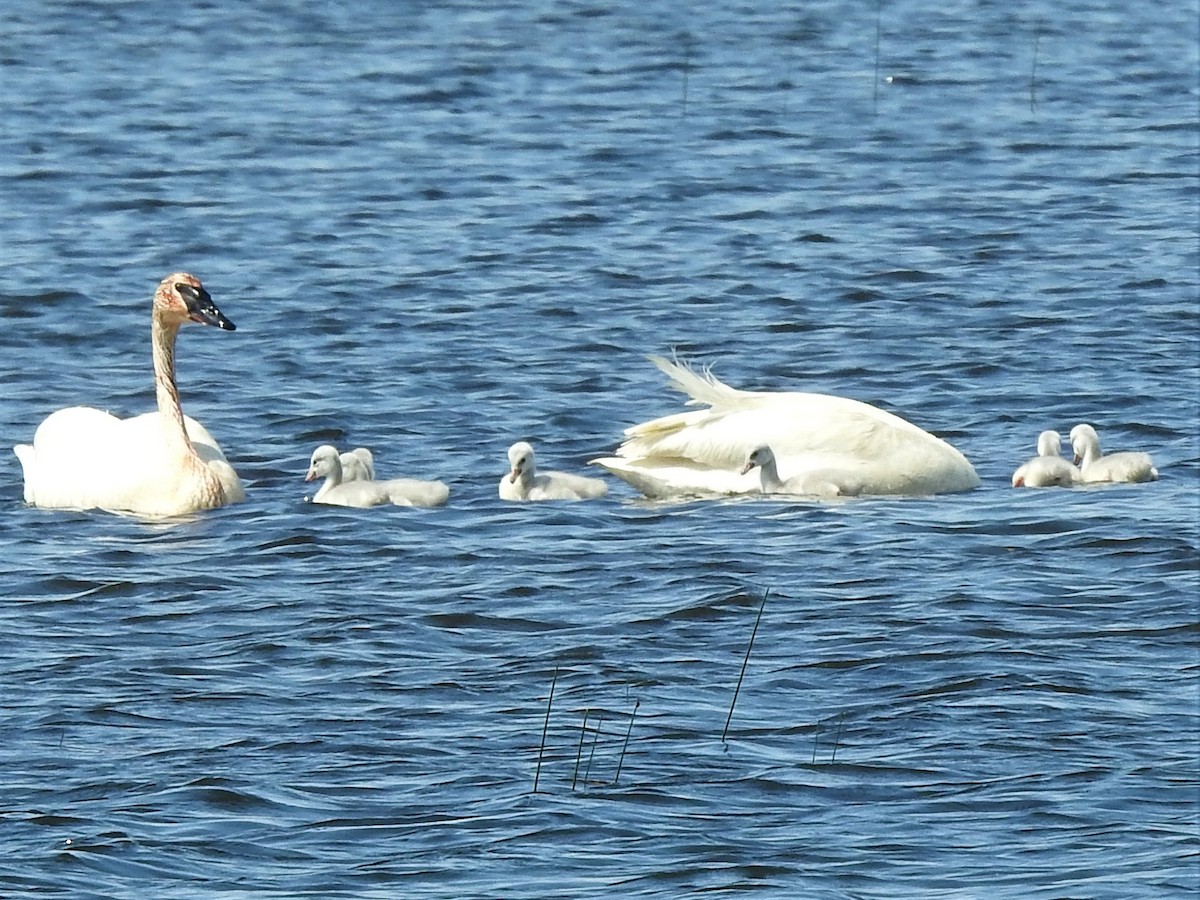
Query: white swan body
x: 1048, y: 468
x: 1127, y: 466
x: 327, y: 464
x: 811, y: 484
x: 358, y: 465
x: 157, y: 464
x: 523, y: 481
x: 854, y: 446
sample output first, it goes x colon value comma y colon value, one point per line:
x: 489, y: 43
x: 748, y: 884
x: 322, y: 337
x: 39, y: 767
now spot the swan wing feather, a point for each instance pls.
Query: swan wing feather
x: 881, y: 452
x: 664, y: 478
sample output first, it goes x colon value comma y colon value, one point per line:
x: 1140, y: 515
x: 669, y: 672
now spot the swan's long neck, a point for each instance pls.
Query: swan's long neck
x: 334, y: 477
x: 524, y: 479
x: 178, y: 445
x: 332, y: 466
x: 162, y: 340
x: 770, y: 476
x: 1091, y: 451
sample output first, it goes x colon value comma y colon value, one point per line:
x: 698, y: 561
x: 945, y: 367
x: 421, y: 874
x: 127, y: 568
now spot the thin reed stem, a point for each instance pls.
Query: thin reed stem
x: 746, y: 660
x: 625, y: 746
x: 592, y: 754
x: 545, y: 727
x: 837, y: 736
x: 579, y: 749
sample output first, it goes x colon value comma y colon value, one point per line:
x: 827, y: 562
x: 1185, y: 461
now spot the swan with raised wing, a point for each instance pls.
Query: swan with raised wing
x: 157, y: 464
x: 856, y: 447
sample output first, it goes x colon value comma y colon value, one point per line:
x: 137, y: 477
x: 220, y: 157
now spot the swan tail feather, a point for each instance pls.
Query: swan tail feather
x: 703, y: 387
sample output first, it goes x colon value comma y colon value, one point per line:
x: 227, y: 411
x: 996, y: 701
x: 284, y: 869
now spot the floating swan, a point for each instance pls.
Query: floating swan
x: 524, y: 482
x: 358, y: 465
x: 1128, y: 466
x: 157, y: 464
x: 810, y: 484
x: 856, y: 447
x: 326, y: 463
x: 1048, y: 468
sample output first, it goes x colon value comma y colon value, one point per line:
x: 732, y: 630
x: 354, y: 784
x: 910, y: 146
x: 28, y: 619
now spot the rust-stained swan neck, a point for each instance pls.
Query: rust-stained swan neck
x: 180, y: 298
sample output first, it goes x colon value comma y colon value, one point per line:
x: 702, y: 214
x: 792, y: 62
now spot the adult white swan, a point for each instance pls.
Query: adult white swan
x: 856, y: 447
x: 326, y: 463
x: 524, y: 482
x: 1048, y: 468
x: 1127, y: 466
x: 157, y: 464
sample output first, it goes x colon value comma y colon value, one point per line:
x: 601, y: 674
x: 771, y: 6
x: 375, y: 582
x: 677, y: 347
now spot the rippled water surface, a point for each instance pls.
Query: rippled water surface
x: 441, y: 228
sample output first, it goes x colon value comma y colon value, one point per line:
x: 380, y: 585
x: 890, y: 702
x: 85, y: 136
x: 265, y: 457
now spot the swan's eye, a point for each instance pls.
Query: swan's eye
x: 193, y: 296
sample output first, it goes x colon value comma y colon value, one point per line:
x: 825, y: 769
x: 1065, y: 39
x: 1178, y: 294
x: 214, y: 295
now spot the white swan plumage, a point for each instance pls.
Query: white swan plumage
x: 1048, y: 468
x: 1126, y: 466
x: 523, y: 481
x: 157, y: 464
x: 858, y: 447
x: 326, y: 463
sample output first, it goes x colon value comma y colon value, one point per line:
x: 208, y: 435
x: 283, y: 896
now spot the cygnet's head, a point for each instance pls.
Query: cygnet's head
x: 1049, y: 443
x: 1084, y: 438
x: 325, y: 461
x: 357, y: 465
x: 759, y: 456
x: 520, y: 460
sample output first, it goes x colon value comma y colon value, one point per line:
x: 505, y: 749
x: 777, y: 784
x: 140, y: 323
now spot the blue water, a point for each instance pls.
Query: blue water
x: 441, y: 228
